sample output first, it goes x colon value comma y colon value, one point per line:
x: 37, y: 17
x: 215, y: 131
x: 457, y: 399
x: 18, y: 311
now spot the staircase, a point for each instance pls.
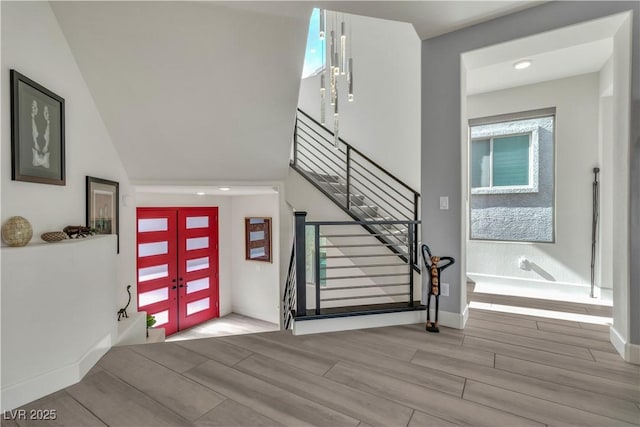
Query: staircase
x: 359, y: 186
x: 363, y: 266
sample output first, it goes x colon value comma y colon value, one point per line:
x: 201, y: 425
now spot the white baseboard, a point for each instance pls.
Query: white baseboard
x: 560, y: 291
x: 629, y: 352
x: 304, y: 327
x: 34, y: 388
x: 451, y: 320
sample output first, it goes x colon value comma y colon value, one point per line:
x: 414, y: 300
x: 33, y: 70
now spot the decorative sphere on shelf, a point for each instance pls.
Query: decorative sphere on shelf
x: 17, y: 231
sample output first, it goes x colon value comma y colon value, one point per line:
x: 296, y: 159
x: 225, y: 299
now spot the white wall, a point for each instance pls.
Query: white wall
x: 604, y: 261
x: 224, y: 230
x: 256, y: 284
x: 33, y: 44
x: 384, y: 119
x: 626, y: 330
x: 58, y: 315
x: 576, y: 145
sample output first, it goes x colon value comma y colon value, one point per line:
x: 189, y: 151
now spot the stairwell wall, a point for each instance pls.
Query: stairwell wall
x: 383, y: 121
x: 34, y: 45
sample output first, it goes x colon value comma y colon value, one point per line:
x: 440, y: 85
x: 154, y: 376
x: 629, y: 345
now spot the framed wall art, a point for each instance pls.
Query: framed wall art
x: 103, y: 206
x: 257, y: 239
x: 37, y: 132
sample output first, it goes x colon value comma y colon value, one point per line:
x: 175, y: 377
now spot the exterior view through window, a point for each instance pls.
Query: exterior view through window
x: 511, y: 175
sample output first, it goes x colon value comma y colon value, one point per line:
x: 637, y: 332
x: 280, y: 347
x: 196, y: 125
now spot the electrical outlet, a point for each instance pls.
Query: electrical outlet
x: 444, y: 289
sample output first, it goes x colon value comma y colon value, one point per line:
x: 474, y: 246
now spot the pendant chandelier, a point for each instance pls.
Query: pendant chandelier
x: 340, y: 64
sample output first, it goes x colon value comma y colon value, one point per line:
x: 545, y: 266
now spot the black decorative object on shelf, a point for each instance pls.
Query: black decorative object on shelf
x: 434, y: 282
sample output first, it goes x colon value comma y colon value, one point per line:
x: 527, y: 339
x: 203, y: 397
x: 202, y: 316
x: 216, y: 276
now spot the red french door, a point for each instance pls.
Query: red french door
x: 177, y: 255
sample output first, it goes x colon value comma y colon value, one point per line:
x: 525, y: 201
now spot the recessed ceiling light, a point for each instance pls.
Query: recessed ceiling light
x: 200, y: 193
x: 521, y: 65
x: 224, y: 188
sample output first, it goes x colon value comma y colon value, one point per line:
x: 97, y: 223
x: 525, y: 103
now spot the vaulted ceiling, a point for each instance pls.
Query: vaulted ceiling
x: 190, y: 91
x: 206, y: 91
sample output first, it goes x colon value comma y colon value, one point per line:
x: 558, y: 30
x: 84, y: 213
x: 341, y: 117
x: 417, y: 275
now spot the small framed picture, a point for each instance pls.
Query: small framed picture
x: 103, y: 206
x: 258, y: 239
x: 37, y: 132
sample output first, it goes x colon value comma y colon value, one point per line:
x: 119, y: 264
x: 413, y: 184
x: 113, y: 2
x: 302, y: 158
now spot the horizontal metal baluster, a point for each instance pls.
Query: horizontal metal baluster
x: 365, y: 296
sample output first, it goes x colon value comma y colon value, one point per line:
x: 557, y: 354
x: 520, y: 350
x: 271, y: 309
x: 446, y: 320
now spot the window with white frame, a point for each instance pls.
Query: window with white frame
x: 502, y: 161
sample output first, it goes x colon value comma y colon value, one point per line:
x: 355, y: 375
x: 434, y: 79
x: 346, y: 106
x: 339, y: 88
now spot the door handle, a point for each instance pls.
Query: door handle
x: 174, y: 287
x: 181, y: 285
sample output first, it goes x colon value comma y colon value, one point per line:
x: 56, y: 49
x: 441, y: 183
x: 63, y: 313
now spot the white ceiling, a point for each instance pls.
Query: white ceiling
x: 569, y: 51
x: 207, y: 91
x: 431, y: 18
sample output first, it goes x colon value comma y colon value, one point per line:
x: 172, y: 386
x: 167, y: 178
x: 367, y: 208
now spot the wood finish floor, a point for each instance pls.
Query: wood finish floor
x: 501, y: 370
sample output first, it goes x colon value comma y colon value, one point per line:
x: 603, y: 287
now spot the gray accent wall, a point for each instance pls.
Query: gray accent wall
x: 442, y: 132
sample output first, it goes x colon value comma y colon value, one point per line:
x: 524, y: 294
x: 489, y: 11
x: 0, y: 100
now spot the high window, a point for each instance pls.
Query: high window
x: 313, y: 63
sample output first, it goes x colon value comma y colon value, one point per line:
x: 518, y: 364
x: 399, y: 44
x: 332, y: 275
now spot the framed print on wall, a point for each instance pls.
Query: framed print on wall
x: 103, y: 206
x: 257, y: 239
x: 37, y: 132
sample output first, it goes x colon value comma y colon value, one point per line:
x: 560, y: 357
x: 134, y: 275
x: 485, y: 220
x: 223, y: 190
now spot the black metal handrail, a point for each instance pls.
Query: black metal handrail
x: 389, y: 174
x: 366, y: 283
x: 360, y: 186
x: 289, y: 295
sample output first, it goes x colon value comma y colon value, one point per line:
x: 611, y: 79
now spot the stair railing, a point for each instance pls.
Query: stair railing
x: 289, y: 295
x: 361, y: 187
x: 327, y: 280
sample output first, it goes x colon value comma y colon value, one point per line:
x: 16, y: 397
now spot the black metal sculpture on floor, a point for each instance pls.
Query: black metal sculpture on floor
x: 431, y: 262
x: 123, y: 311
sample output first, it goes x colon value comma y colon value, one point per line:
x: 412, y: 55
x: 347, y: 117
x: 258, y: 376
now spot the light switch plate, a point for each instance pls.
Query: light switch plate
x: 444, y: 203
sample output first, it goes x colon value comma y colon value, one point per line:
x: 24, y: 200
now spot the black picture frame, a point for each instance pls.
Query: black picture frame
x: 103, y: 207
x: 37, y: 132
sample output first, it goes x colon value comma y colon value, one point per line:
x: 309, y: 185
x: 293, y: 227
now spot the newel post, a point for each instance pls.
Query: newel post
x: 301, y: 279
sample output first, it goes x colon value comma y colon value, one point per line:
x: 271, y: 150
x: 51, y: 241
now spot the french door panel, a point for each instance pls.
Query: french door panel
x: 177, y: 255
x: 197, y: 265
x: 156, y: 251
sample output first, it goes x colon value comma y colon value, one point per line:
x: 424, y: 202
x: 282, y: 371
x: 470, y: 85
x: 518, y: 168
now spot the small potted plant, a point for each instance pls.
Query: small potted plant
x: 151, y: 320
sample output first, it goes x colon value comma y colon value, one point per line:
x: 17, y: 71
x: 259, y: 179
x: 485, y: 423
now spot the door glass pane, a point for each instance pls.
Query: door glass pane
x: 511, y: 160
x: 155, y: 272
x: 197, y: 285
x: 196, y: 306
x: 197, y: 221
x: 154, y: 296
x: 197, y: 243
x: 155, y: 248
x: 480, y: 163
x: 161, y: 318
x: 153, y: 224
x: 197, y: 264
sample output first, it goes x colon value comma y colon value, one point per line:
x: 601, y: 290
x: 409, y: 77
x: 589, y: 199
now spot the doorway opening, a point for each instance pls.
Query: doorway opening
x: 527, y: 247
